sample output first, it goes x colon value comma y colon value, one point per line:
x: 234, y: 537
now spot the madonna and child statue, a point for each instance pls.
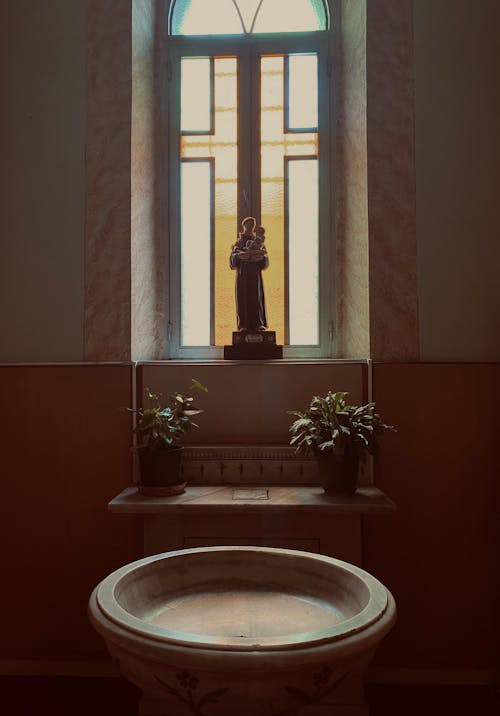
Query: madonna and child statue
x: 249, y: 258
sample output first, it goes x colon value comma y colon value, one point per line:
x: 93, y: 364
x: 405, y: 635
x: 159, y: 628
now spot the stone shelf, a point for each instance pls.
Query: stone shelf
x: 233, y: 499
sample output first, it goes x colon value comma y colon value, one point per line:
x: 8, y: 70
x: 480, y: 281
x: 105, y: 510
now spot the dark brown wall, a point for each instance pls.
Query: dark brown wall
x: 66, y: 453
x: 439, y: 551
x: 249, y: 406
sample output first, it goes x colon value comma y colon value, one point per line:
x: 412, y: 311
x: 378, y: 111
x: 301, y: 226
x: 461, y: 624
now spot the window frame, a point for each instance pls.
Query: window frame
x: 248, y: 48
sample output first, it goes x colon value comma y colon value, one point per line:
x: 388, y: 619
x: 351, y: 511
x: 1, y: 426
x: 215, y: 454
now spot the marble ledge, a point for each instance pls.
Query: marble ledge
x: 269, y: 499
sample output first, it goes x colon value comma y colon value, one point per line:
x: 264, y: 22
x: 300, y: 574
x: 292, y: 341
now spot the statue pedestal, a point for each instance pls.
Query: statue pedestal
x: 253, y: 345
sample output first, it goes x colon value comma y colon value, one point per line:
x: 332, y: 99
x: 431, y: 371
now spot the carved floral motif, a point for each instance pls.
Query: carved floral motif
x: 324, y: 682
x: 185, y: 693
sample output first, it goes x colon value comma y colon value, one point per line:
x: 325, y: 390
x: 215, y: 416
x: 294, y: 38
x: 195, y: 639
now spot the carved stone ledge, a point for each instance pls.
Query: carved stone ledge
x: 251, y: 464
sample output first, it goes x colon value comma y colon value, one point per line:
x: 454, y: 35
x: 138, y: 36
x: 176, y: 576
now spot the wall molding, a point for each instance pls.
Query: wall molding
x: 255, y: 464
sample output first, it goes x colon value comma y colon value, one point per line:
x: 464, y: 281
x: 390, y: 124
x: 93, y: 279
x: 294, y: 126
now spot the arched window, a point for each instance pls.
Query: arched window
x: 249, y: 134
x: 235, y: 17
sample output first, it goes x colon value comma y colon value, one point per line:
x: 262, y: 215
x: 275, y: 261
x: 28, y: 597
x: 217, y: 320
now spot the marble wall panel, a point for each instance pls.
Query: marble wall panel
x: 351, y: 183
x: 394, y: 333
x: 108, y: 195
x: 147, y: 254
x: 376, y: 219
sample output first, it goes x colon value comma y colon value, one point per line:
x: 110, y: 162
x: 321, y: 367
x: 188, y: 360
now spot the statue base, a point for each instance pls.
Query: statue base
x: 253, y: 345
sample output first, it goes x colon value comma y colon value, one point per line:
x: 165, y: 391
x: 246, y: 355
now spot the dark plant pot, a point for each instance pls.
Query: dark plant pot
x: 161, y: 471
x: 338, y: 474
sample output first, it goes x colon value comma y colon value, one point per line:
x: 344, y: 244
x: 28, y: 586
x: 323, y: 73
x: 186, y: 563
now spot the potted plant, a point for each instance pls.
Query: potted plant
x: 340, y: 436
x: 161, y: 427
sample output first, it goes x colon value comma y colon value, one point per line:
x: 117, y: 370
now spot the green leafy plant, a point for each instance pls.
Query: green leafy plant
x: 331, y: 425
x: 163, y: 426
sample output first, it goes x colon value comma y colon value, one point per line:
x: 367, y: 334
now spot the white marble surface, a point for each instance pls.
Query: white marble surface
x: 216, y: 498
x: 280, y: 665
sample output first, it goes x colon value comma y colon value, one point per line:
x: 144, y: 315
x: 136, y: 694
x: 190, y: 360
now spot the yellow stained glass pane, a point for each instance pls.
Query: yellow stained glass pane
x: 301, y: 144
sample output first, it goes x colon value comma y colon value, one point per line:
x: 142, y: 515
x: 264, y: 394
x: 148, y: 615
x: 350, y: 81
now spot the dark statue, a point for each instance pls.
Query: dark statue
x: 252, y: 340
x: 249, y: 258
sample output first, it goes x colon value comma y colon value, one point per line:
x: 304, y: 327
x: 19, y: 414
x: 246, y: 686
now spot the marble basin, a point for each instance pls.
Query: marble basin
x: 251, y: 631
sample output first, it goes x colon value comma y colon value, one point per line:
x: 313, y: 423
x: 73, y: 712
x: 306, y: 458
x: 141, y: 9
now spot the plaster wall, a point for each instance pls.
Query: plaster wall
x: 42, y: 140
x: 457, y: 106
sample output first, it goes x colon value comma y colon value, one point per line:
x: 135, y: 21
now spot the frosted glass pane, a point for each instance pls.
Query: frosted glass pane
x: 195, y: 253
x: 303, y: 251
x: 286, y: 16
x: 196, y: 95
x: 302, y: 91
x: 205, y: 17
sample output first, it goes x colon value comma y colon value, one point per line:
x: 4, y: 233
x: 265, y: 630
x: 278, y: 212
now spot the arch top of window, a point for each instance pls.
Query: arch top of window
x: 246, y: 17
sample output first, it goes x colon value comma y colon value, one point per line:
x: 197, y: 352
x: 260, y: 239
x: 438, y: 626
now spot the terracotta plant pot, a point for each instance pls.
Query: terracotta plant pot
x: 338, y: 474
x: 161, y: 471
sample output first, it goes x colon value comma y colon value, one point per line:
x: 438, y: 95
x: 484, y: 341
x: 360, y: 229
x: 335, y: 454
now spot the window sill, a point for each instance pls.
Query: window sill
x: 277, y: 361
